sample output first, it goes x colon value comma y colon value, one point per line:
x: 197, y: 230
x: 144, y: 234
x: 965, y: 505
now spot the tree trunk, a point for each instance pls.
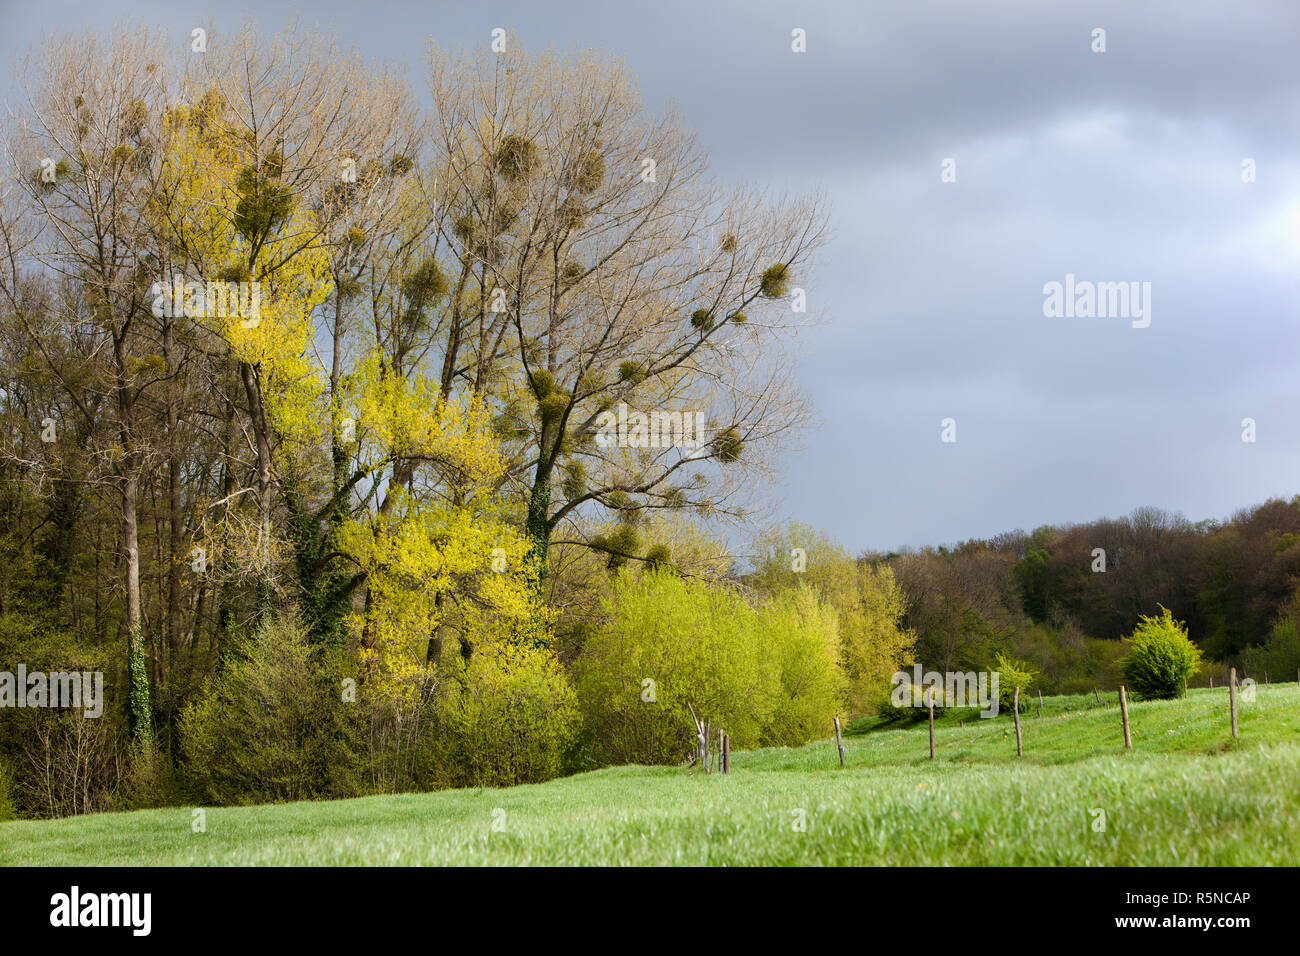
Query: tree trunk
x: 176, y: 543
x: 139, y: 707
x: 262, y: 482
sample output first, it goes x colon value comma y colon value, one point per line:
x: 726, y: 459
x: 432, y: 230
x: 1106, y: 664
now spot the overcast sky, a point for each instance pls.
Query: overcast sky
x: 1117, y: 166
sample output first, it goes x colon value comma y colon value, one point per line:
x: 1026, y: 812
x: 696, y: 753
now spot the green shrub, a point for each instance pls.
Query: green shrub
x: 146, y: 781
x: 1012, y: 674
x: 272, y: 725
x: 659, y: 646
x: 509, y: 716
x: 802, y: 639
x: 1074, y: 686
x: 59, y: 762
x: 869, y: 605
x: 1160, y: 657
x: 1279, y: 655
x: 663, y: 646
x: 8, y: 811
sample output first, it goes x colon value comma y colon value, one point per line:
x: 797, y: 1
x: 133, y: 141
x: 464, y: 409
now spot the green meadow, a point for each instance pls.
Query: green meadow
x: 1186, y: 795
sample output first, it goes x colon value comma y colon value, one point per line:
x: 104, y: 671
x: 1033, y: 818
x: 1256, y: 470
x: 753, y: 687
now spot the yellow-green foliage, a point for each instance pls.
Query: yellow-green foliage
x: 1160, y: 656
x: 663, y: 645
x: 196, y: 212
x: 509, y: 716
x: 866, y: 598
x: 1014, y: 674
x: 802, y: 635
x: 423, y: 550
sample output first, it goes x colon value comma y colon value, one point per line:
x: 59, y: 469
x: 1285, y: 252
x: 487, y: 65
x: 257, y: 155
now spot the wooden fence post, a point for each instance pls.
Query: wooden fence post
x: 839, y: 741
x: 726, y: 753
x: 1123, y: 710
x: 1015, y: 712
x: 931, y: 723
x: 1040, y: 703
x: 701, y: 739
x: 1232, y: 700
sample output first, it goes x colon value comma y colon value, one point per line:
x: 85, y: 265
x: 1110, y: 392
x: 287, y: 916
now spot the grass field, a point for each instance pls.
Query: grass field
x: 1185, y: 795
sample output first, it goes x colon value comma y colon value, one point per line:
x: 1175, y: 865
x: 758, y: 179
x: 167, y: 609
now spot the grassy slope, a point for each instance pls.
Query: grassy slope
x: 1185, y: 796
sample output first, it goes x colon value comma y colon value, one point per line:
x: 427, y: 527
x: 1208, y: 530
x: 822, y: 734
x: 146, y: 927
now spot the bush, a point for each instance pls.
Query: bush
x: 147, y: 780
x: 1013, y: 673
x: 59, y: 762
x: 802, y: 639
x: 658, y: 646
x: 272, y: 725
x: 867, y: 600
x: 663, y: 646
x: 8, y: 811
x: 509, y: 716
x: 1160, y: 657
x: 1279, y: 655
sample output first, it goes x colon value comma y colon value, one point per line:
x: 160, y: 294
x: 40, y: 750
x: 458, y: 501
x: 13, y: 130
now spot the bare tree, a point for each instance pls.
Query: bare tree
x: 84, y: 155
x: 598, y: 271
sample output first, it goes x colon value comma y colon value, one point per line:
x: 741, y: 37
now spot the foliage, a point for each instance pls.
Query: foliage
x: 867, y: 601
x: 801, y: 636
x: 8, y: 810
x: 662, y: 647
x: 1014, y: 674
x: 273, y: 724
x: 1279, y: 655
x: 914, y: 703
x: 1160, y: 657
x: 510, y: 715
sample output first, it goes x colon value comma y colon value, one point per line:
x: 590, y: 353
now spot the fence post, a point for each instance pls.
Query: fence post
x: 931, y: 723
x: 839, y: 741
x: 726, y: 753
x: 1015, y: 712
x: 1040, y: 703
x: 1232, y: 700
x: 1123, y: 710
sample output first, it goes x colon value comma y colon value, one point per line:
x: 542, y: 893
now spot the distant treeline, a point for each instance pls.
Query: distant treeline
x: 1063, y: 597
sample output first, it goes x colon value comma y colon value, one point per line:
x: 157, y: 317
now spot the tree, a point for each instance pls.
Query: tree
x: 1160, y: 657
x: 868, y: 604
x: 596, y: 273
x: 87, y: 163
